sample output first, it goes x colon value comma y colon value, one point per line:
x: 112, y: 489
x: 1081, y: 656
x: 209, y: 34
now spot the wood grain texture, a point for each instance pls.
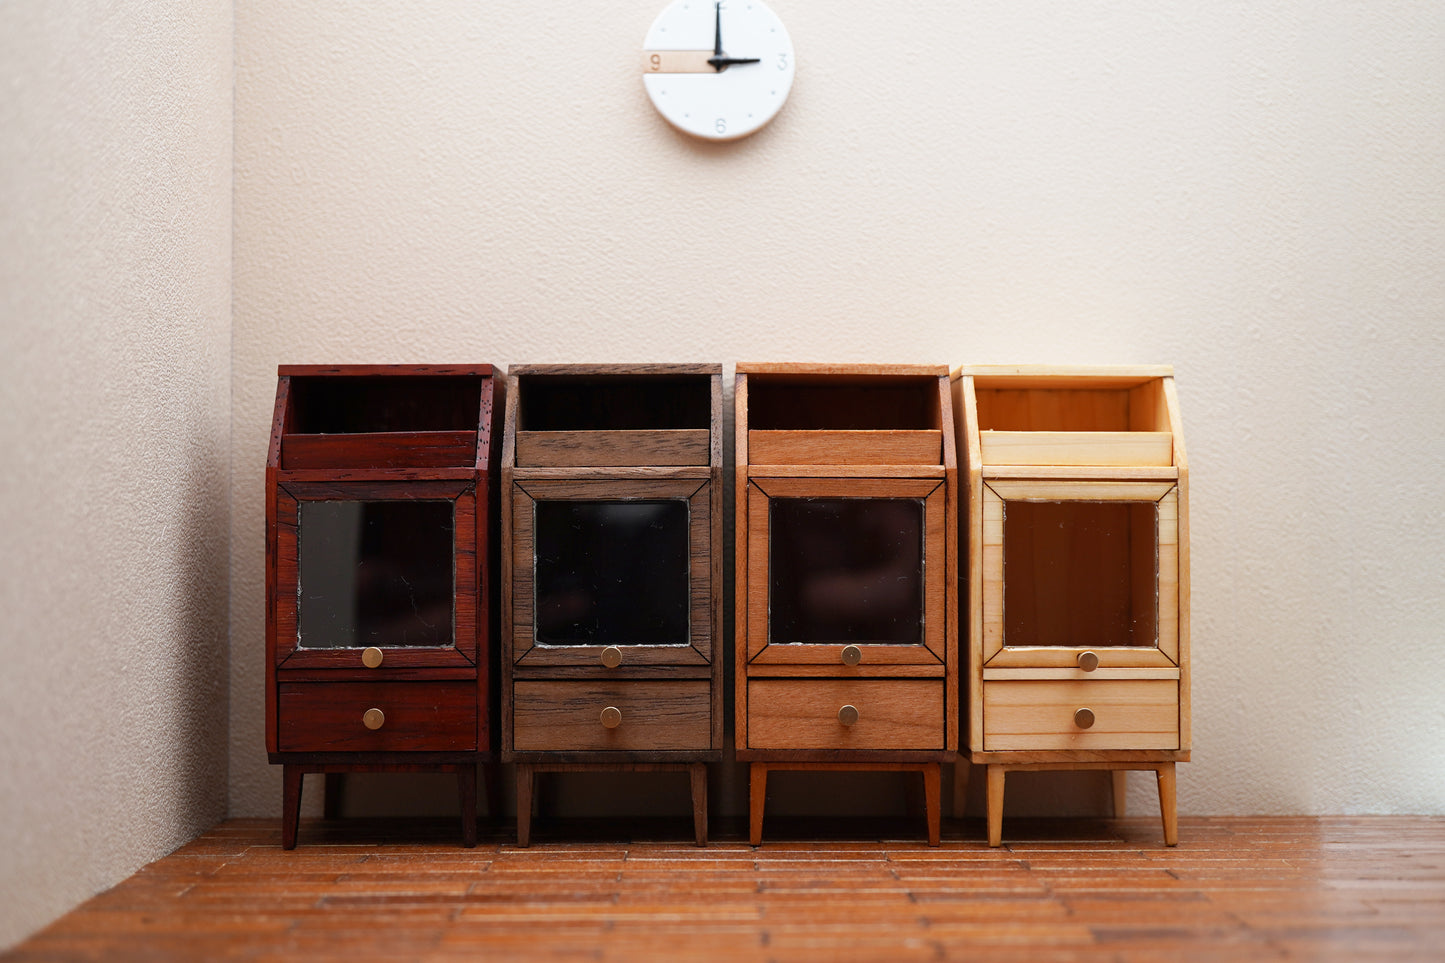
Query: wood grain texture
x: 419, y: 716
x: 377, y: 433
x: 798, y: 447
x: 466, y: 642
x: 1330, y: 889
x: 580, y: 449
x: 841, y: 372
x: 1062, y: 376
x: 617, y: 368
x: 661, y: 715
x: 811, y: 431
x: 388, y: 370
x: 1034, y: 714
x: 803, y: 714
x: 613, y: 432
x: 380, y: 449
x: 1121, y: 448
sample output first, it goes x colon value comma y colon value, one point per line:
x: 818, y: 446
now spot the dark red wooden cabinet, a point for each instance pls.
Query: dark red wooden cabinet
x: 379, y: 571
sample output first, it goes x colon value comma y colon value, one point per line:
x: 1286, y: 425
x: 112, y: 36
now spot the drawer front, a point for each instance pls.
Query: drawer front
x: 805, y: 714
x: 1126, y: 714
x: 414, y: 716
x: 648, y: 714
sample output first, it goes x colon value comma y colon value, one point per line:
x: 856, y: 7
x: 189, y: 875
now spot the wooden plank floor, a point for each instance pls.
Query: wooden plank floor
x: 1356, y: 888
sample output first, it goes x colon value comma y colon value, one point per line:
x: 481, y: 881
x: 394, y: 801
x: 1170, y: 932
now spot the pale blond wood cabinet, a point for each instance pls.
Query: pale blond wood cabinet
x: 611, y: 564
x: 1078, y: 573
x: 846, y: 581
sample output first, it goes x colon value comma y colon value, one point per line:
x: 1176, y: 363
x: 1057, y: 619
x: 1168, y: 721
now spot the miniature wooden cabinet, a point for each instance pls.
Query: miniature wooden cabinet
x: 378, y: 485
x: 846, y: 603
x: 611, y: 520
x: 1078, y: 574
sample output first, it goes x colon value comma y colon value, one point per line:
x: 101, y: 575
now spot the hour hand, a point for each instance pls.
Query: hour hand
x: 721, y: 62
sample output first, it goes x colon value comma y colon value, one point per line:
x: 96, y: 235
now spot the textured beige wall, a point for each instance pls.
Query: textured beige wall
x: 115, y: 337
x: 1249, y: 191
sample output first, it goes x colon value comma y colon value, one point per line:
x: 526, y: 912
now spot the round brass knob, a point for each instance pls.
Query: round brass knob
x: 373, y: 718
x: 848, y: 715
x: 852, y: 655
x: 371, y: 656
x: 611, y: 717
x: 1088, y: 661
x: 612, y: 657
x: 1084, y: 718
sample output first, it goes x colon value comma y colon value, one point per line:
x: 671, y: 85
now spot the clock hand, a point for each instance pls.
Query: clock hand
x: 719, y: 60
x: 718, y: 63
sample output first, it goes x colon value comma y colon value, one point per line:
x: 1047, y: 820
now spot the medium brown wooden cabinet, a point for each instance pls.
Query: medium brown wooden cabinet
x: 847, y: 599
x: 379, y: 486
x: 611, y: 521
x: 1078, y: 585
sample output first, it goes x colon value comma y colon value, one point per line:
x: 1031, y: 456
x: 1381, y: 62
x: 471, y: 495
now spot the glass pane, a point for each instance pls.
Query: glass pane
x: 375, y: 573
x: 846, y: 570
x: 1080, y: 573
x: 611, y: 572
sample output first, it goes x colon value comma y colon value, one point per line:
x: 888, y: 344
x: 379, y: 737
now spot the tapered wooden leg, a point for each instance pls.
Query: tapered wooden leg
x: 933, y: 801
x: 995, y: 805
x: 291, y: 777
x: 960, y: 787
x: 467, y: 791
x: 1167, y: 804
x: 1121, y: 792
x: 758, y: 795
x: 698, y: 773
x: 526, y: 779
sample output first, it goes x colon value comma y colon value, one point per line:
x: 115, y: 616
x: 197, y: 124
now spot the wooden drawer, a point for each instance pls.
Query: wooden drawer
x: 1040, y: 714
x: 804, y: 714
x: 655, y: 714
x: 415, y: 716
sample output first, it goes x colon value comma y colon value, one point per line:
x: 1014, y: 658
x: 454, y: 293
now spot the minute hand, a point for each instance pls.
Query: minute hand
x: 719, y: 62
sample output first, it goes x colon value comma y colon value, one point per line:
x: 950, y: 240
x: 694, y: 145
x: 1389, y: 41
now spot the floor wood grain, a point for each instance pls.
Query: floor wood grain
x: 1346, y: 888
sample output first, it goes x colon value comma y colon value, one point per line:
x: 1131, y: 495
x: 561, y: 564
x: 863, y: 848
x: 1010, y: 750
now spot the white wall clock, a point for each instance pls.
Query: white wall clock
x: 718, y: 69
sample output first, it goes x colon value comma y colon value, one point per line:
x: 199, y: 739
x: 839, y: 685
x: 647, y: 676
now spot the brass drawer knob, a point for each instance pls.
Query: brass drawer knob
x: 1084, y: 718
x: 611, y: 717
x: 848, y: 715
x: 1088, y: 661
x: 371, y: 657
x: 852, y: 655
x: 373, y: 718
x: 612, y: 657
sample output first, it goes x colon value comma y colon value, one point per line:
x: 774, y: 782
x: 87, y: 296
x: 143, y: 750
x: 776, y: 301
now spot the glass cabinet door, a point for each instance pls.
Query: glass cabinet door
x: 611, y: 564
x: 376, y: 567
x: 845, y: 571
x: 611, y: 572
x: 375, y: 573
x: 1080, y: 566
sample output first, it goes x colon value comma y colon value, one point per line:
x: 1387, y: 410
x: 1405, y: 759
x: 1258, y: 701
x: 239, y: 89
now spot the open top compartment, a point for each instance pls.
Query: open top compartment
x: 577, y: 416
x: 1072, y: 417
x: 835, y: 416
x: 401, y: 416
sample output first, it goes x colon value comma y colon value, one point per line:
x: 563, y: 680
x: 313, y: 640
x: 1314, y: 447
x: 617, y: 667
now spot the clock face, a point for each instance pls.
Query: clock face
x: 718, y: 70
